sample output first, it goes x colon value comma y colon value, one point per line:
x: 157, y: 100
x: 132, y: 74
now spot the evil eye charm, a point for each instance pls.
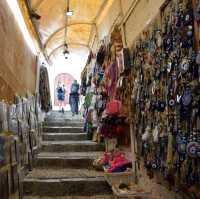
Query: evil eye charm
x: 161, y: 106
x: 186, y: 99
x: 189, y: 33
x: 181, y: 144
x: 154, y: 165
x: 171, y: 102
x: 168, y: 44
x: 192, y: 149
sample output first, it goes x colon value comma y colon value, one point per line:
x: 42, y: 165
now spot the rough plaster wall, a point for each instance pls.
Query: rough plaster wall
x: 142, y: 15
x: 126, y: 5
x: 108, y: 20
x: 17, y: 63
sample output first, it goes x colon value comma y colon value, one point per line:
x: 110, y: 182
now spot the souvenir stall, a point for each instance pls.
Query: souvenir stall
x: 106, y: 86
x: 20, y: 138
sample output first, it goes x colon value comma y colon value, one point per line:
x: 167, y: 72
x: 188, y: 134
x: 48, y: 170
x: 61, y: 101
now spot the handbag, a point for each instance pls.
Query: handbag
x: 113, y: 107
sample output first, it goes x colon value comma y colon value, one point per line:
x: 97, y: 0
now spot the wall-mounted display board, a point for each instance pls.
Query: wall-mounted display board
x: 166, y: 97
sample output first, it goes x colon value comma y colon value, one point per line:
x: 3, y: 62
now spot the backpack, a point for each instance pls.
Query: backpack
x: 74, y: 88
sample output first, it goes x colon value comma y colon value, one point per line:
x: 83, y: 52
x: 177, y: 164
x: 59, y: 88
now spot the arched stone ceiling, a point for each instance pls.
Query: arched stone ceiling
x: 75, y: 34
x: 80, y: 27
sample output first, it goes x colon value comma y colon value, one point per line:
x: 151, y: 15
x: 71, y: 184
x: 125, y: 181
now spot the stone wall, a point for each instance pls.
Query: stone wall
x: 17, y: 62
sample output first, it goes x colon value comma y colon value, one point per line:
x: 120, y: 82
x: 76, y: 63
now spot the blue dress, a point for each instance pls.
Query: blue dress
x: 61, y: 93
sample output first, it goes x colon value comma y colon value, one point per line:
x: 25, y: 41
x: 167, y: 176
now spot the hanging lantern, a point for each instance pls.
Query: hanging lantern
x: 66, y: 51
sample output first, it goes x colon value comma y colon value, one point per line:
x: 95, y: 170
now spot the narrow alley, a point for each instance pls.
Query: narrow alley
x: 100, y: 99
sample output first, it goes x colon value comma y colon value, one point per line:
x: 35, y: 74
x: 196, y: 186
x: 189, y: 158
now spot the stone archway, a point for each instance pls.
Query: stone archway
x: 67, y: 80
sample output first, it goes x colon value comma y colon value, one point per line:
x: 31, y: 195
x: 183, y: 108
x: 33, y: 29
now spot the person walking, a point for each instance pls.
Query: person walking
x: 61, y: 96
x: 74, y: 97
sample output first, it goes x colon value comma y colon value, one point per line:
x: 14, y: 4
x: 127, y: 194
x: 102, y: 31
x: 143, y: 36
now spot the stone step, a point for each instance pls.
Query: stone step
x: 79, y: 186
x: 62, y: 162
x: 54, y: 173
x: 64, y: 136
x: 67, y: 116
x: 65, y: 129
x: 63, y: 123
x: 63, y: 120
x: 66, y: 160
x: 71, y: 146
x: 72, y: 197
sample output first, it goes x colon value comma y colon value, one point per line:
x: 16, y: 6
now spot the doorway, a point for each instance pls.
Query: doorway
x: 65, y: 79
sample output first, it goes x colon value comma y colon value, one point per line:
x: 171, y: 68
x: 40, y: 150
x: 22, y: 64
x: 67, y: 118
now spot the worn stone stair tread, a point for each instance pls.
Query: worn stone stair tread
x: 52, y: 133
x: 66, y: 160
x: 64, y: 136
x: 62, y: 127
x: 66, y: 179
x: 47, y: 173
x: 61, y: 120
x: 69, y: 154
x: 69, y: 142
x: 55, y: 116
x: 71, y: 197
x: 79, y: 186
x: 52, y: 129
x: 64, y: 123
x: 71, y: 146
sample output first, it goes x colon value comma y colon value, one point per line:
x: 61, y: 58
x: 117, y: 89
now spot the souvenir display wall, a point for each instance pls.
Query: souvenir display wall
x: 20, y: 134
x: 165, y: 98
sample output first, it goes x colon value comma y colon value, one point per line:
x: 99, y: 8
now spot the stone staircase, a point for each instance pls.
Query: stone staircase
x: 63, y: 168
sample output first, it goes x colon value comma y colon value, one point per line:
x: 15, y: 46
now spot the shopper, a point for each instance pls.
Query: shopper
x: 61, y: 96
x: 74, y: 97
